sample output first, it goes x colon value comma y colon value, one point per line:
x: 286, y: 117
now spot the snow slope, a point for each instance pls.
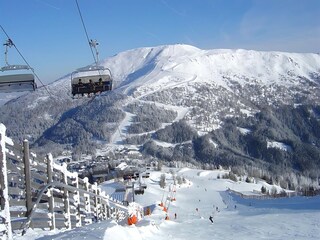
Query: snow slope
x: 151, y: 69
x: 145, y: 71
x: 234, y: 217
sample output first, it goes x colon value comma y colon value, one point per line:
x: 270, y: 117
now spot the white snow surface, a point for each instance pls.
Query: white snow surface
x: 279, y: 145
x: 173, y: 65
x: 244, y: 131
x: 233, y: 217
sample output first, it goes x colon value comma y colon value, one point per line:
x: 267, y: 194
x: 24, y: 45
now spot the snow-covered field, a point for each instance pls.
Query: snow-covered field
x: 204, y: 195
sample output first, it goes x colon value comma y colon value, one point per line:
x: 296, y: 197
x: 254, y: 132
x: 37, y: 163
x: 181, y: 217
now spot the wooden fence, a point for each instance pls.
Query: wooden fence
x: 38, y: 193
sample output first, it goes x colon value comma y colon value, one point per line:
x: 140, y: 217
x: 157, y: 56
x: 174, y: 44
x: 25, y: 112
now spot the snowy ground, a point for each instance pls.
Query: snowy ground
x: 237, y: 218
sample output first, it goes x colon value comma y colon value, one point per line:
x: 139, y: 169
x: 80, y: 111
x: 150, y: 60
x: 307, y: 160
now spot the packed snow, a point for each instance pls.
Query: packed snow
x: 244, y: 131
x: 204, y: 194
x: 169, y: 66
x: 279, y: 145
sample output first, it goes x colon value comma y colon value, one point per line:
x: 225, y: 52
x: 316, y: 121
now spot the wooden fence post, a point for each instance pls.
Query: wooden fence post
x: 50, y: 190
x: 27, y: 175
x: 99, y: 203
x: 77, y: 203
x: 104, y: 206
x: 4, y: 197
x: 67, y: 217
x: 87, y: 204
x: 96, y: 205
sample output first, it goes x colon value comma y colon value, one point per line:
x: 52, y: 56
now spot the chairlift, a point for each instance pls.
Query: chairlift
x: 146, y: 175
x: 16, y: 82
x: 94, y: 79
x: 139, y: 191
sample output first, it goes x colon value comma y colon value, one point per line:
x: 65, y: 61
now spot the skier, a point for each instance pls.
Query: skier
x: 175, y: 216
x: 211, y: 219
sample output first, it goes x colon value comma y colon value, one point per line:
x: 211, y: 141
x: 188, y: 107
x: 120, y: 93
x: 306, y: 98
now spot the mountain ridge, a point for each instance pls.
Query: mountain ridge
x: 172, y: 88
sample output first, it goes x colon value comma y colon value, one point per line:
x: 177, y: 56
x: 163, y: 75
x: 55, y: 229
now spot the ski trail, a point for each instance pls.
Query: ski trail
x: 117, y: 138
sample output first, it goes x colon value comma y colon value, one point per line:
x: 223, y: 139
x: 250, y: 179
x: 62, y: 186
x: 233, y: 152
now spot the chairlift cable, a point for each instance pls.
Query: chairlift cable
x: 86, y: 32
x: 26, y: 62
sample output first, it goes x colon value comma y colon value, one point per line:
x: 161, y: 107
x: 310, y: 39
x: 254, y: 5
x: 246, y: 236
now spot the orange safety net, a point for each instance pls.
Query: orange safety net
x: 132, y: 220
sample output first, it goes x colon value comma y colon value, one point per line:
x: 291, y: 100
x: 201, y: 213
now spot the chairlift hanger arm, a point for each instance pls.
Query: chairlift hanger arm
x: 8, y: 44
x: 94, y: 44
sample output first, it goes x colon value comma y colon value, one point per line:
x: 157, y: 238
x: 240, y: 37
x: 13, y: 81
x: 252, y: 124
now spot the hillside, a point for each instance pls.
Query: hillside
x: 181, y: 103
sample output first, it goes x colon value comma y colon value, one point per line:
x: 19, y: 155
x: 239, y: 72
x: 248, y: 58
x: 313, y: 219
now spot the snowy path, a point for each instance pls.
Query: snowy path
x: 117, y: 136
x: 289, y: 218
x: 242, y: 222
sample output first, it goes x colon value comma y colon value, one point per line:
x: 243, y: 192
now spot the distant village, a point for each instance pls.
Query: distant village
x: 121, y: 164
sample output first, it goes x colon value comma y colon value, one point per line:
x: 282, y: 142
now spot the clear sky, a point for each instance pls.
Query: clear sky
x: 50, y: 35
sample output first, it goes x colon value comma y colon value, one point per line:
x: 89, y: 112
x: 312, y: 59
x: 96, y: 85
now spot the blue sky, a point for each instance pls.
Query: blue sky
x: 50, y: 35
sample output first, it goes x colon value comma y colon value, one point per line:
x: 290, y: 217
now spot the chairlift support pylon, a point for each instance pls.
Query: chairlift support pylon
x: 15, y: 82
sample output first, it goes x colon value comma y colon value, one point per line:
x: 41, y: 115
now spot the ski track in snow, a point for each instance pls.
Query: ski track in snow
x: 236, y: 218
x: 117, y: 137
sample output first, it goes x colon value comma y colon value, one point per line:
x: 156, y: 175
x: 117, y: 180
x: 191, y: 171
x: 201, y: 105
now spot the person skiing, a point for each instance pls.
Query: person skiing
x: 211, y: 219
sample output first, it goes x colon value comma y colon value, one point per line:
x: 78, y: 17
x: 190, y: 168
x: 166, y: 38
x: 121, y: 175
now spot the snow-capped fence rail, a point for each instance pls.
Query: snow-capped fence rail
x: 38, y: 193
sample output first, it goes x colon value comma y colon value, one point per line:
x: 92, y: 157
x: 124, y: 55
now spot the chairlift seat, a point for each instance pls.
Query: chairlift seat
x: 17, y: 83
x: 139, y: 191
x: 98, y: 83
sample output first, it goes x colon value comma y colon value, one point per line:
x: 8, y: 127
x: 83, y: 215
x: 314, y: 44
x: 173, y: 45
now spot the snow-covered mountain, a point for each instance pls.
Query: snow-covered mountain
x: 168, y: 96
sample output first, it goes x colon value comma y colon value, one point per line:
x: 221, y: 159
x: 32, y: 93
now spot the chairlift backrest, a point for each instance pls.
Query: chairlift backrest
x: 94, y: 79
x: 17, y: 83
